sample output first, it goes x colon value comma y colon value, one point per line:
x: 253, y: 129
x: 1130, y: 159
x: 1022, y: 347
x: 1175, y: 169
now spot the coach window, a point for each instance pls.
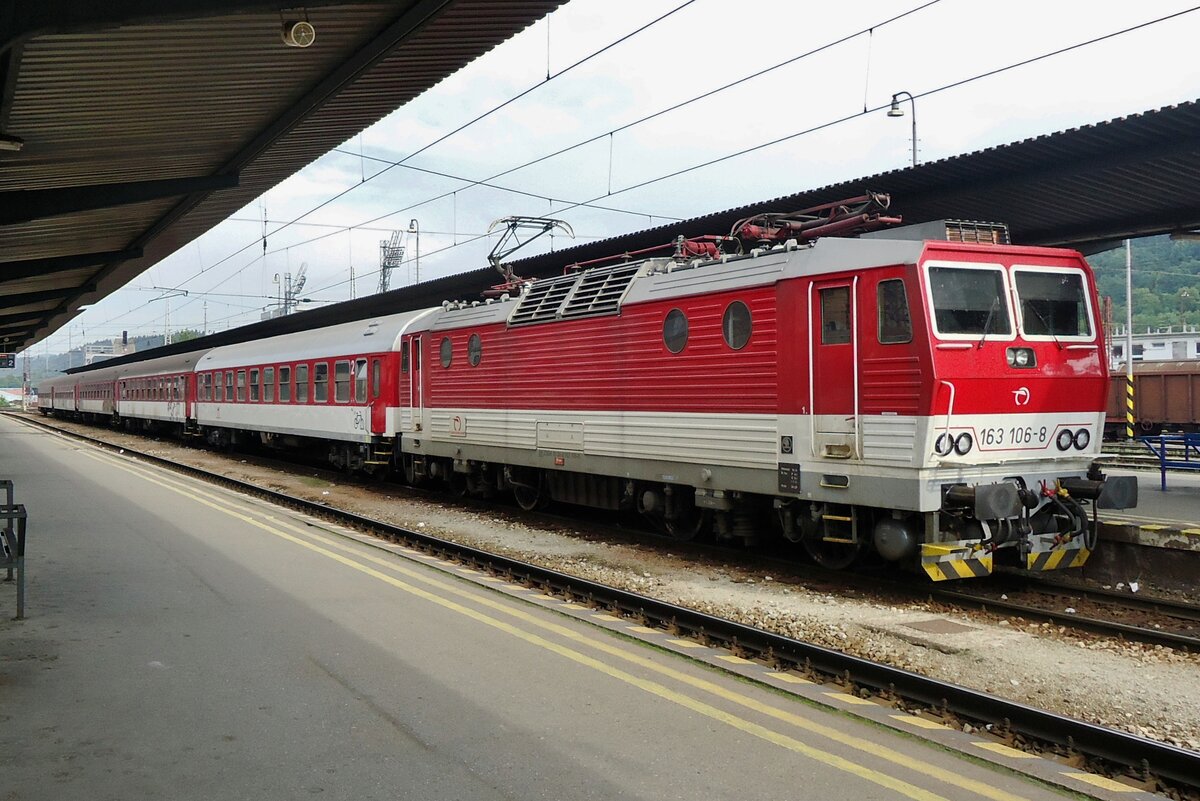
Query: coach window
x: 254, y: 385
x: 241, y: 385
x: 736, y: 325
x: 269, y: 384
x: 341, y: 381
x: 447, y: 352
x: 835, y: 315
x: 321, y: 382
x: 285, y: 384
x: 302, y: 384
x: 404, y: 357
x: 376, y: 370
x: 228, y: 385
x: 675, y: 331
x: 360, y: 381
x: 895, y: 326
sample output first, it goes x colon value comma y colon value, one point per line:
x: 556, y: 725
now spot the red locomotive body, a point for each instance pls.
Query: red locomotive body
x: 962, y: 382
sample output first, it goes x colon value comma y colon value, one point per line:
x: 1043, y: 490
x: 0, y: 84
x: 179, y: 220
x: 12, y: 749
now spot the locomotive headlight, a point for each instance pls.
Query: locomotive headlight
x: 1082, y: 439
x: 1064, y: 440
x: 963, y: 443
x: 1021, y: 357
x: 944, y: 444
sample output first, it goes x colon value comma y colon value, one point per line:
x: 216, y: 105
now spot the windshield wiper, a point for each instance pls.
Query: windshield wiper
x: 987, y: 324
x: 1045, y: 322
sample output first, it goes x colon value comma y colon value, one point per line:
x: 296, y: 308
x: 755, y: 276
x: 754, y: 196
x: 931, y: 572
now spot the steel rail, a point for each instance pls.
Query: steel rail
x: 1076, y: 621
x: 1142, y: 755
x: 1148, y: 603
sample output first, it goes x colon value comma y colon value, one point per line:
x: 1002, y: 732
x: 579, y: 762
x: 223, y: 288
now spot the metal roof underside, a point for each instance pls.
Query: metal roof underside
x: 1086, y: 188
x: 141, y: 125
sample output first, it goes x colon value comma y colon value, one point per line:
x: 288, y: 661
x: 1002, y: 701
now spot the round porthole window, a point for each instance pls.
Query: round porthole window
x: 447, y: 352
x: 735, y: 325
x: 675, y: 331
x: 474, y: 350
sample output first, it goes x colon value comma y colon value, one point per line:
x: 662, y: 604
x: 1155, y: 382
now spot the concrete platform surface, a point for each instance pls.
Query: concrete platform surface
x: 184, y: 642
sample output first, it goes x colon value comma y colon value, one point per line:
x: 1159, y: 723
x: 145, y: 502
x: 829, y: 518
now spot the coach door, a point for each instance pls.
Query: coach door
x: 833, y: 380
x: 416, y: 384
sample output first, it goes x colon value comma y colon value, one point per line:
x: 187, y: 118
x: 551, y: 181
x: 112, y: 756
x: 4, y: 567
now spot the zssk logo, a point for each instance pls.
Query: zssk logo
x: 1021, y: 396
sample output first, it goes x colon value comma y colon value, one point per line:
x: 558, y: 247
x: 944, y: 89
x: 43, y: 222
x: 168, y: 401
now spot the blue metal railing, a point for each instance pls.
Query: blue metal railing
x: 1174, y: 451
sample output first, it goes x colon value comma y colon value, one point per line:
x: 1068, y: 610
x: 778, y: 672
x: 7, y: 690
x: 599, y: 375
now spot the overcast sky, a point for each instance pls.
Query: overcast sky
x: 697, y: 49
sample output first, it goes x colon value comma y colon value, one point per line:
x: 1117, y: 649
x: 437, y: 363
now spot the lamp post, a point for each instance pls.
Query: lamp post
x: 415, y: 230
x: 896, y: 111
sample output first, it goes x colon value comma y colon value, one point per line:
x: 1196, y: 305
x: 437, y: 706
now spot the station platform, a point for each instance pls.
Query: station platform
x: 186, y: 642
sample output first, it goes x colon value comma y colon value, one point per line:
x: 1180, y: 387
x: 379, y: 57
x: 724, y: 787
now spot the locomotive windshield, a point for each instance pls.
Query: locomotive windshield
x: 969, y: 300
x: 1053, y: 304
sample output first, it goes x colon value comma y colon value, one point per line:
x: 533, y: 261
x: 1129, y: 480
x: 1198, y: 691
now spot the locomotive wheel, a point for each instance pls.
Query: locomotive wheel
x: 457, y: 483
x: 408, y: 466
x: 531, y: 498
x: 832, y: 555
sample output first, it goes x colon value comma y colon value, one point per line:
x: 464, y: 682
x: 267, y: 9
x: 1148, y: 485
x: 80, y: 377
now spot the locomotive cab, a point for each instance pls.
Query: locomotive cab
x: 1015, y: 410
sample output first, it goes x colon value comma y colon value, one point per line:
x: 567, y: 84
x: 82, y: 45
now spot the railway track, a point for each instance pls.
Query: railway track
x: 1109, y: 750
x: 1156, y: 621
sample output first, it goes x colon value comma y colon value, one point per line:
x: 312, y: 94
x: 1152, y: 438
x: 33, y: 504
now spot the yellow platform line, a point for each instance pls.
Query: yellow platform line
x: 788, y: 678
x: 734, y: 660
x: 850, y: 699
x: 1103, y: 782
x: 687, y: 644
x: 919, y: 722
x: 1004, y: 750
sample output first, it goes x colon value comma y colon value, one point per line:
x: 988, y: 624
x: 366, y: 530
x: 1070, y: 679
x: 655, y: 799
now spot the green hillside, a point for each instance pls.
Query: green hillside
x: 1166, y: 282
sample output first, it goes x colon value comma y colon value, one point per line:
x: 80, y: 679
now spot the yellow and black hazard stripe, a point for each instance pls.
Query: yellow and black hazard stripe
x: 1057, y: 560
x: 943, y: 562
x: 1128, y: 406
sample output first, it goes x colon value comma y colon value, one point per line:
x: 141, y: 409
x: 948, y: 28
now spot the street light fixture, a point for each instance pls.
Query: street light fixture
x: 167, y: 295
x: 896, y: 111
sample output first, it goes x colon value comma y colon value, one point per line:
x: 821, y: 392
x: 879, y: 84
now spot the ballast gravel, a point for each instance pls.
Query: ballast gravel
x: 1148, y: 690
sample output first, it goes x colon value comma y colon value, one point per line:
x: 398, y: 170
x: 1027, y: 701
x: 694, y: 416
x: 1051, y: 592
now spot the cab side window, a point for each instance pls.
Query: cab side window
x: 895, y: 325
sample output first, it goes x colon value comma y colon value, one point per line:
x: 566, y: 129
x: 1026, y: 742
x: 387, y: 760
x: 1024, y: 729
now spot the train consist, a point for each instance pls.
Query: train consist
x: 936, y: 403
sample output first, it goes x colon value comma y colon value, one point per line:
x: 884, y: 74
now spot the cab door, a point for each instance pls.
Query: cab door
x: 833, y: 380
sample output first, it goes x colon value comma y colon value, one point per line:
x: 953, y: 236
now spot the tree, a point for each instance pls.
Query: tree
x: 185, y: 335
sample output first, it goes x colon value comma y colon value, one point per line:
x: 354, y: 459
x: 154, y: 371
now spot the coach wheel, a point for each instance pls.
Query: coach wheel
x: 687, y: 527
x: 832, y: 555
x: 533, y: 496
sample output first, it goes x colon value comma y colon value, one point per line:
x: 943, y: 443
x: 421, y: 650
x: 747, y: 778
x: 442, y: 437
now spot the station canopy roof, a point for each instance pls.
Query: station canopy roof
x: 129, y: 128
x: 1086, y: 188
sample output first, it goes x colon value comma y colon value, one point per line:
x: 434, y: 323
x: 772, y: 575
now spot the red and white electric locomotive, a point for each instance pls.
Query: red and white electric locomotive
x: 936, y: 402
